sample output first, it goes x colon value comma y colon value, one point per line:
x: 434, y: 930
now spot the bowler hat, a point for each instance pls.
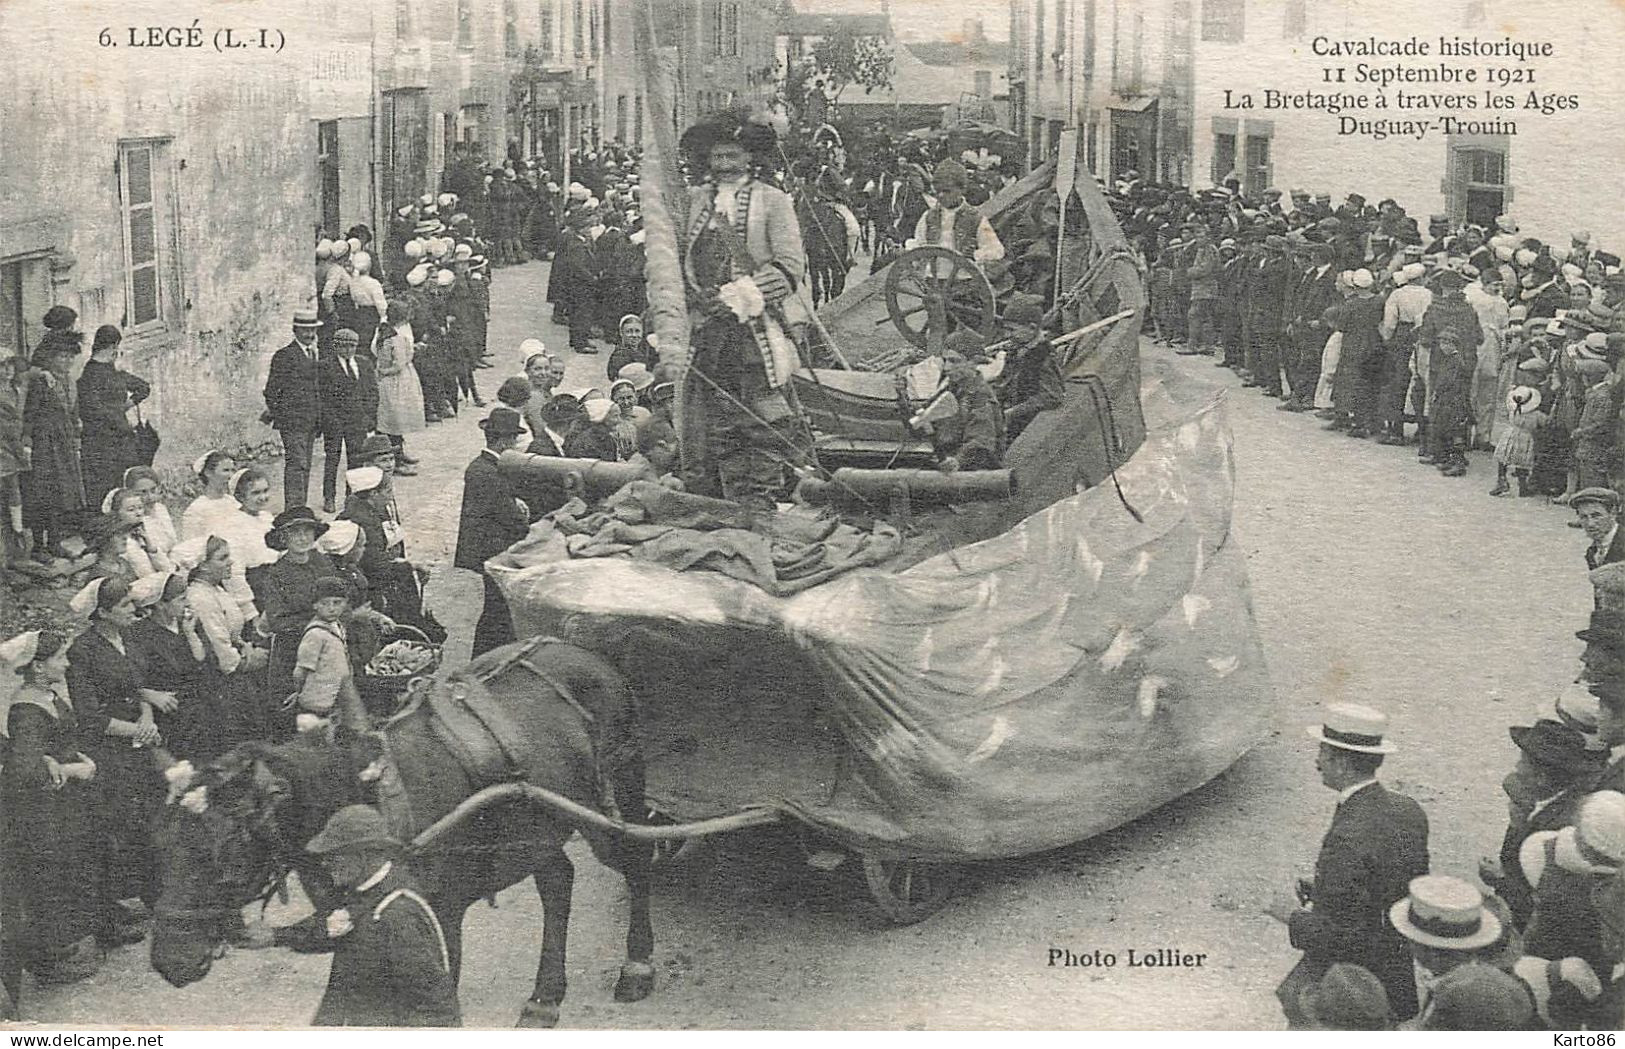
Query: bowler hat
x: 352, y: 827
x: 503, y: 422
x: 292, y: 517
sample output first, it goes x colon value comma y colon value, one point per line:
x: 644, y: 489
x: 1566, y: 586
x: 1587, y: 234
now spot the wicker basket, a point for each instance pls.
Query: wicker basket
x: 380, y: 693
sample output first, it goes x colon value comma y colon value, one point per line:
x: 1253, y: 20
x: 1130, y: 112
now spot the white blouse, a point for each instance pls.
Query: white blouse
x: 200, y: 518
x: 161, y: 528
x: 221, y: 618
x: 245, y: 534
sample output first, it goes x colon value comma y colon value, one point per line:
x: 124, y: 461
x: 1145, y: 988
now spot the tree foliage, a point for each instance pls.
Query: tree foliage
x: 845, y: 58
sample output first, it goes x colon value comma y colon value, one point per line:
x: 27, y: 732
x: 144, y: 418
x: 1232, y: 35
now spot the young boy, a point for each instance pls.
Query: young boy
x: 322, y: 668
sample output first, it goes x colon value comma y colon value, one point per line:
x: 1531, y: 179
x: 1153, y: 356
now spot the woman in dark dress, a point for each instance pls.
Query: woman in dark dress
x: 290, y: 601
x: 117, y: 729
x: 167, y: 645
x: 235, y: 674
x: 53, y: 490
x: 106, y: 395
x: 46, y: 795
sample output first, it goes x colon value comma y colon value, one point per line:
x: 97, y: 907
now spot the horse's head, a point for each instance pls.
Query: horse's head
x: 220, y: 844
x: 231, y: 832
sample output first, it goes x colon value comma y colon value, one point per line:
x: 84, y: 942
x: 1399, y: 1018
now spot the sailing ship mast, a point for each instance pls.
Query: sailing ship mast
x: 665, y: 219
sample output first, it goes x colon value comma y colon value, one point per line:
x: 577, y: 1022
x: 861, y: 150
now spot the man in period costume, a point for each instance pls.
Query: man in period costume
x: 742, y: 263
x: 493, y: 518
x: 293, y: 403
x: 952, y: 223
x: 1377, y: 843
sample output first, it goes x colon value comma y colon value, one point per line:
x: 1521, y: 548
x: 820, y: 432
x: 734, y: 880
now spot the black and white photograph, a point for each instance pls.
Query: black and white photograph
x: 812, y: 515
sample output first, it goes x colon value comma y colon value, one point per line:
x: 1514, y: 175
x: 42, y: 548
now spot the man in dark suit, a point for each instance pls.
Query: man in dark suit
x: 493, y: 518
x: 349, y: 410
x: 293, y: 404
x: 1377, y: 843
x: 1266, y: 302
x: 1307, y: 333
x: 1597, y: 510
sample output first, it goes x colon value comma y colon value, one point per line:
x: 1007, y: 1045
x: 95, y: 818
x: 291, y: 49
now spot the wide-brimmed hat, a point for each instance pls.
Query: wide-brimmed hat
x: 352, y: 827
x: 638, y: 374
x: 1599, y: 829
x: 305, y: 317
x: 1577, y: 708
x: 503, y: 422
x: 1555, y: 746
x: 1347, y: 998
x: 292, y: 517
x: 1445, y: 912
x: 1350, y: 726
x: 428, y: 228
x: 1521, y: 399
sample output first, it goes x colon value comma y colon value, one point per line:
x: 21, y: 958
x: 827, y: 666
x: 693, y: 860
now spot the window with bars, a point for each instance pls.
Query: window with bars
x: 1223, y: 21
x: 609, y: 32
x: 403, y: 19
x: 637, y: 120
x: 510, y: 28
x: 592, y: 28
x: 465, y: 24
x: 731, y: 30
x: 327, y: 166
x: 578, y: 26
x: 545, y: 35
x: 716, y: 28
x: 140, y: 166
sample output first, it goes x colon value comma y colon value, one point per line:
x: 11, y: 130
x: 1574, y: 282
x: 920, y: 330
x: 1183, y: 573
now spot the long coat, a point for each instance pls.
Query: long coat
x: 54, y: 485
x: 105, y: 397
x: 1357, y: 318
x: 1377, y: 843
x: 491, y: 519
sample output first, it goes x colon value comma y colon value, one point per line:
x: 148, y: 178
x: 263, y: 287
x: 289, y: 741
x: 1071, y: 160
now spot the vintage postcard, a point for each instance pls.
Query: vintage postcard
x: 868, y: 514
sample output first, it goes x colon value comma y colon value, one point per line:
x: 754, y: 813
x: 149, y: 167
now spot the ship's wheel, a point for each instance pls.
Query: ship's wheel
x: 931, y: 290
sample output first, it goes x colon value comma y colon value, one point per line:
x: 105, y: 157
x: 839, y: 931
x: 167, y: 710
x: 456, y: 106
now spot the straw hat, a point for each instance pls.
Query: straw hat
x: 1350, y: 726
x: 1445, y: 912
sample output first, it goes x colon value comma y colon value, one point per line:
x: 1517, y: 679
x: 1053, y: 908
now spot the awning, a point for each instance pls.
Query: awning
x: 1131, y: 105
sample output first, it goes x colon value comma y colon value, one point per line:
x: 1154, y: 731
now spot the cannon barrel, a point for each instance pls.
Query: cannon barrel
x: 598, y: 476
x: 922, y: 487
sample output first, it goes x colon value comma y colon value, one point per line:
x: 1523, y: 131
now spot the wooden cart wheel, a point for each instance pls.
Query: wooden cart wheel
x: 908, y: 891
x: 927, y: 286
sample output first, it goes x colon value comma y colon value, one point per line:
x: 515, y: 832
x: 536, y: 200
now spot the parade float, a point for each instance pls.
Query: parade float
x: 949, y: 667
